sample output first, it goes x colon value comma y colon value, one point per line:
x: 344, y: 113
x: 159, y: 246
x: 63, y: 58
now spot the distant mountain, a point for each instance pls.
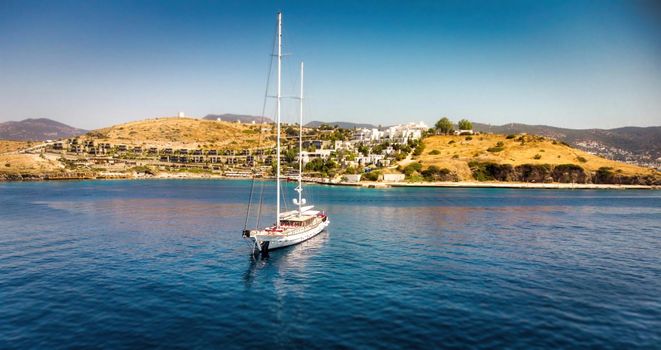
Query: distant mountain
x: 244, y: 118
x: 641, y: 145
x: 37, y: 130
x: 344, y: 125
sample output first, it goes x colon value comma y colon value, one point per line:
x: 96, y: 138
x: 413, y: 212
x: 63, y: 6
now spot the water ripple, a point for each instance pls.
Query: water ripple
x: 136, y: 264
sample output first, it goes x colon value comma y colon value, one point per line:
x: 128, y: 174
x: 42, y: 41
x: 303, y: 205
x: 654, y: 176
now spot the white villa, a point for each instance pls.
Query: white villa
x: 320, y: 153
x: 400, y: 133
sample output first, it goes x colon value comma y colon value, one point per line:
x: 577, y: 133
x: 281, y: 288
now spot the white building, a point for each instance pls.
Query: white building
x: 393, y: 177
x: 320, y: 153
x: 367, y: 135
x: 400, y: 133
x: 370, y: 159
x: 343, y: 145
x: 463, y: 132
x: 352, y: 177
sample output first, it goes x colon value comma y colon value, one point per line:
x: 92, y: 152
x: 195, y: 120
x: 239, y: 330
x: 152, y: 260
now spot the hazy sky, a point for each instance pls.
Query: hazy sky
x: 573, y: 63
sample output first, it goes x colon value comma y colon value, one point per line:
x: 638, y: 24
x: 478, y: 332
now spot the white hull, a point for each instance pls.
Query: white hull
x: 285, y: 240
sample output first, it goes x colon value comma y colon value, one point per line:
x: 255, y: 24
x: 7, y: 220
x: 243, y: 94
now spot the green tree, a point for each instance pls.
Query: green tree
x: 444, y: 125
x: 363, y: 149
x: 378, y: 148
x: 351, y: 170
x: 412, y: 168
x: 372, y: 175
x: 291, y: 131
x: 325, y: 167
x: 291, y: 154
x: 418, y: 149
x: 465, y: 124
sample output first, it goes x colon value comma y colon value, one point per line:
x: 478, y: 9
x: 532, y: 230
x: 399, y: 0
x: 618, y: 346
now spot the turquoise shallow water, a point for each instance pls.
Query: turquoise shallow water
x: 134, y: 264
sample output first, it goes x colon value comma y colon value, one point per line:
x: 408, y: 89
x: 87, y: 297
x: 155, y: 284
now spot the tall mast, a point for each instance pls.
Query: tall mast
x: 299, y: 189
x: 278, y: 97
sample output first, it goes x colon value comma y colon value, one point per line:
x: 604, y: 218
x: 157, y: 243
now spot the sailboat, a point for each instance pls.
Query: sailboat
x: 295, y: 226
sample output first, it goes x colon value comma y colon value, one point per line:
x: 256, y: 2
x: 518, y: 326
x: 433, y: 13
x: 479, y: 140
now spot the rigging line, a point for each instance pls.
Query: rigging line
x: 261, y: 201
x: 259, y: 142
x: 282, y: 192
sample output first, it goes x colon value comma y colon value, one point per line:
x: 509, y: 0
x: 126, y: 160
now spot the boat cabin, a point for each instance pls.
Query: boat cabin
x: 298, y: 221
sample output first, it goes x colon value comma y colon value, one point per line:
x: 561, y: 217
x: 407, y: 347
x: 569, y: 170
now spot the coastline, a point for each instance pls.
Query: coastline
x: 526, y: 185
x: 364, y: 184
x: 493, y: 184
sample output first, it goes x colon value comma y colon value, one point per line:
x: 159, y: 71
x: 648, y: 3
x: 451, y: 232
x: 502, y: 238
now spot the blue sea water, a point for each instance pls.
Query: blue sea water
x: 136, y: 264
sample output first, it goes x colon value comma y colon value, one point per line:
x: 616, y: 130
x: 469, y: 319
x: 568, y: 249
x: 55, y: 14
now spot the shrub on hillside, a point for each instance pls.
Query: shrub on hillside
x: 497, y: 148
x: 351, y: 170
x: 533, y: 173
x: 372, y: 175
x: 567, y: 173
x: 412, y: 168
x: 143, y: 169
x: 488, y: 171
x: 325, y: 167
x: 604, y: 175
x: 434, y: 173
x: 418, y: 149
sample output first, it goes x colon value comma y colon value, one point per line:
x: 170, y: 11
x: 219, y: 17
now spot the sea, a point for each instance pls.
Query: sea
x: 162, y: 264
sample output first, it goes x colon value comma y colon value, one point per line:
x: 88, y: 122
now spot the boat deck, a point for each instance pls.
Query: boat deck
x: 291, y: 225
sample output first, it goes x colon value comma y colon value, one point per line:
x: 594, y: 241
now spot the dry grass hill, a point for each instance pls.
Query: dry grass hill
x: 184, y: 133
x: 12, y: 146
x: 29, y: 164
x: 459, y: 153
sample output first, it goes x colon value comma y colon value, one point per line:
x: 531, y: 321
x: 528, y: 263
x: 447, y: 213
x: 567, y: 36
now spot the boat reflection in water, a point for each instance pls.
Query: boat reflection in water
x: 282, y: 260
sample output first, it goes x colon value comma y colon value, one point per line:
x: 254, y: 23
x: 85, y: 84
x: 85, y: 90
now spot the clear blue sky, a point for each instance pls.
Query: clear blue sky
x: 573, y: 63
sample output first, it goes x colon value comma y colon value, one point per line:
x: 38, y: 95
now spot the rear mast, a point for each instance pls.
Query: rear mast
x: 299, y: 189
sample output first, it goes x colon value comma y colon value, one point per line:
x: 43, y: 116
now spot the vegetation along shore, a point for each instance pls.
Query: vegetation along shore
x: 413, y: 154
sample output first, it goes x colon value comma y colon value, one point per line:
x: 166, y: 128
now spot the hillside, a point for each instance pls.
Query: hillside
x: 465, y: 156
x: 28, y: 164
x: 182, y: 132
x: 243, y: 118
x: 37, y: 130
x: 343, y: 125
x: 639, y: 144
x: 11, y: 146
